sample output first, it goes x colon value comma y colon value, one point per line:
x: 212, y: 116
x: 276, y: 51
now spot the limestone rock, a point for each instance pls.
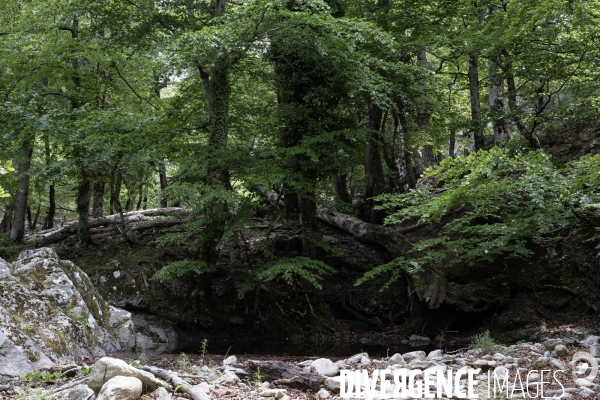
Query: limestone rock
x: 322, y: 394
x: 412, y: 355
x: 121, y: 388
x: 230, y: 360
x: 325, y: 367
x: 161, y: 394
x: 50, y: 312
x: 106, y: 368
x: 561, y: 350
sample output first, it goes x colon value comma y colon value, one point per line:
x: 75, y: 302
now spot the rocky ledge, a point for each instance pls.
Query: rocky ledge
x: 50, y: 314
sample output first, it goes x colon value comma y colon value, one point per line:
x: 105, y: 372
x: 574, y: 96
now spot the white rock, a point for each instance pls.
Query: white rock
x: 161, y: 394
x: 412, y: 355
x: 365, y: 361
x: 396, y: 359
x: 501, y: 372
x: 583, y: 382
x: 107, y: 368
x: 203, y: 387
x: 322, y: 394
x: 586, y: 392
x: 121, y: 388
x: 435, y: 354
x: 325, y: 367
x: 230, y: 360
x: 557, y: 364
x: 357, y: 357
x: 333, y: 384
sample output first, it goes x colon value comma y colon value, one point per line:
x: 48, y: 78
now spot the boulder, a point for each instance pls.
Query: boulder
x: 325, y: 367
x: 561, y: 350
x: 230, y: 360
x: 107, y: 368
x: 50, y: 313
x: 396, y: 359
x: 121, y: 388
x: 412, y: 355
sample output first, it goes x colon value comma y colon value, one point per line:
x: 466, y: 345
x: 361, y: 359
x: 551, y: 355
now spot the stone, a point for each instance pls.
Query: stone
x: 203, y: 387
x: 230, y: 360
x: 435, y: 354
x: 333, y: 384
x: 412, y: 355
x: 552, y: 343
x: 501, y: 373
x: 356, y: 358
x: 107, y: 368
x: 583, y: 382
x: 586, y: 392
x: 561, y: 350
x: 325, y: 367
x: 81, y: 393
x: 557, y: 364
x: 161, y: 394
x: 121, y: 388
x: 419, y: 364
x: 396, y: 359
x: 70, y: 317
x: 322, y: 394
x: 275, y: 393
x: 365, y: 361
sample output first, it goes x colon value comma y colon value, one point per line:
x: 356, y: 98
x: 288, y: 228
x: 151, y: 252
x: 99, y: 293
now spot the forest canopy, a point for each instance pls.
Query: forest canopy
x: 381, y: 112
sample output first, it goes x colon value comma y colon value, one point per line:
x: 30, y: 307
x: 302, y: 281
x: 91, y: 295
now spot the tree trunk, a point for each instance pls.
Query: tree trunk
x: 514, y: 107
x: 339, y: 187
x: 452, y: 145
x: 429, y: 158
x: 6, y: 223
x: 35, y: 219
x: 84, y: 194
x: 374, y: 180
x: 17, y: 232
x: 496, y: 96
x: 49, y: 221
x: 162, y: 177
x: 399, y: 165
x: 97, y: 208
x: 141, y: 198
x: 115, y: 194
x: 473, y: 74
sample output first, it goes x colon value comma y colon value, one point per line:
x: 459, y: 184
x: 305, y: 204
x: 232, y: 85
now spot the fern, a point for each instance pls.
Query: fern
x: 178, y: 269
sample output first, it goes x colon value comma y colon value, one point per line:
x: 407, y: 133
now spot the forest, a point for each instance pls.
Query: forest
x: 264, y: 168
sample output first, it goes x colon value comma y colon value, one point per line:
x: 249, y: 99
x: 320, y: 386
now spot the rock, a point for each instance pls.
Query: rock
x: 557, y: 364
x: 583, y: 382
x: 501, y: 373
x: 159, y: 335
x: 552, y: 343
x: 416, y: 340
x: 412, y: 355
x: 419, y: 364
x: 107, y: 368
x: 121, y: 388
x: 322, y: 394
x: 230, y: 360
x: 396, y: 359
x: 561, y: 350
x: 70, y: 317
x: 586, y: 392
x: 435, y: 354
x: 81, y: 393
x: 275, y: 393
x: 325, y: 367
x: 333, y: 384
x: 161, y: 394
x: 203, y: 387
x: 356, y: 358
x: 365, y: 361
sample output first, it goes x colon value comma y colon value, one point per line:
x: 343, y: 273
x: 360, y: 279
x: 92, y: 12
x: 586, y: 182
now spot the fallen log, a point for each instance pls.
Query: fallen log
x: 287, y: 375
x: 70, y: 228
x: 170, y: 376
x: 395, y: 243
